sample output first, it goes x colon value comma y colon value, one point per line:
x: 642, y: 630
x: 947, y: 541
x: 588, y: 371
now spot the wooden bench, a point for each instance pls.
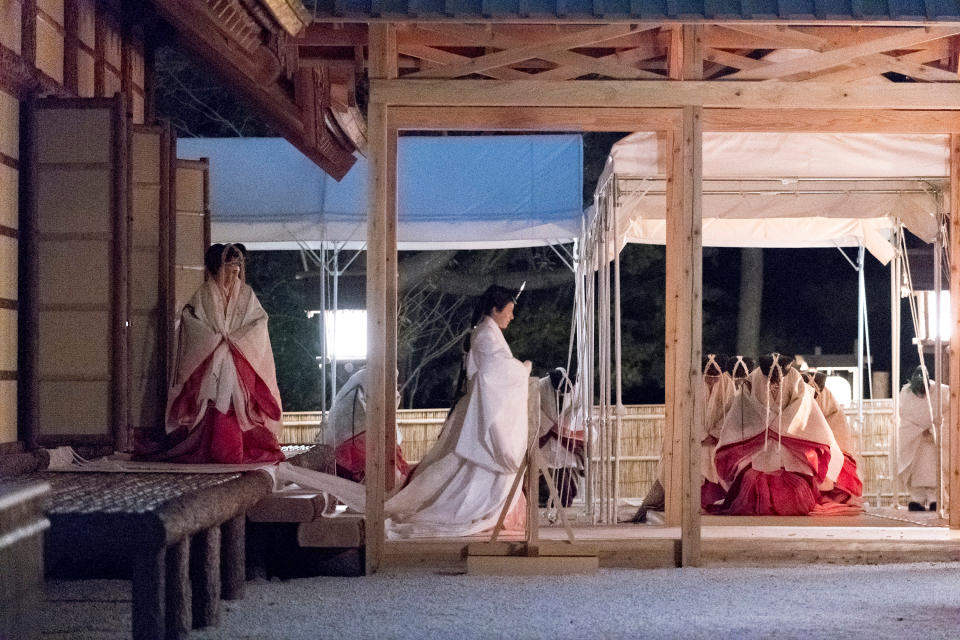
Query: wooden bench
x: 182, y: 535
x: 21, y: 557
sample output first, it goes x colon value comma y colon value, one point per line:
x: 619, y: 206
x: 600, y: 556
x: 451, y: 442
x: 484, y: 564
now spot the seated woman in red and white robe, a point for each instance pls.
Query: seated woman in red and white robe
x: 719, y: 391
x: 846, y: 496
x: 776, y: 452
x: 223, y: 405
x: 345, y: 429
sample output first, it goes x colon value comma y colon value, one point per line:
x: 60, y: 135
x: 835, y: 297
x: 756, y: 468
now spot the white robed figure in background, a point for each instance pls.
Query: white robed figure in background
x: 462, y: 484
x: 917, y: 452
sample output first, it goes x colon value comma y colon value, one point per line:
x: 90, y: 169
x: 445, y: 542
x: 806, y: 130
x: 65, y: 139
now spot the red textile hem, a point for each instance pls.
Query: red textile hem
x: 351, y: 459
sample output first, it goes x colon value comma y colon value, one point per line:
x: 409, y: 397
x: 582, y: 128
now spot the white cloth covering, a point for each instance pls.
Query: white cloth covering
x: 553, y: 418
x: 461, y: 485
x: 209, y: 324
x: 718, y: 395
x: 917, y: 451
x: 794, y: 414
x: 348, y: 413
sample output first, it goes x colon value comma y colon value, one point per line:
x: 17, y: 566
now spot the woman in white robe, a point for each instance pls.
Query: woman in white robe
x: 461, y: 485
x: 917, y: 451
x: 223, y: 405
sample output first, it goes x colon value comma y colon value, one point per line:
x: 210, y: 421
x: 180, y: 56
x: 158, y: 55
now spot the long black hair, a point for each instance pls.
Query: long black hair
x: 494, y: 298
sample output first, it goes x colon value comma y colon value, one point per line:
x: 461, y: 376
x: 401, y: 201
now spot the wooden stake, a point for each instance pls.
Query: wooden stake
x: 952, y: 423
x: 381, y: 295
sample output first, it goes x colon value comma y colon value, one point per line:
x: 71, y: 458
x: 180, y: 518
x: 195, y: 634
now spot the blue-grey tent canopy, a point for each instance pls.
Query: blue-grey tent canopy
x: 461, y: 192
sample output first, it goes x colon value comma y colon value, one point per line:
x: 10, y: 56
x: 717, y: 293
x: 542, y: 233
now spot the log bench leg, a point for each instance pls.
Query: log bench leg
x: 233, y: 569
x: 205, y: 576
x: 149, y: 593
x: 179, y: 610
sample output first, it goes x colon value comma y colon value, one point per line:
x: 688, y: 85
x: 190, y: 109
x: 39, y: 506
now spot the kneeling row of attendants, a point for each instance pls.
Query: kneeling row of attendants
x: 774, y: 441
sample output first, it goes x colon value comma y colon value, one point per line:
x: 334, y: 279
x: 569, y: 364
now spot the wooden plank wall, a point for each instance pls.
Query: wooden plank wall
x: 190, y: 234
x: 9, y: 238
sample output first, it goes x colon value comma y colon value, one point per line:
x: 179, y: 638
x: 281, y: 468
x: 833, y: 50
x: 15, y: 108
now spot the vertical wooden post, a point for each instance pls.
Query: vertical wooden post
x: 952, y: 423
x: 684, y: 410
x: 381, y: 292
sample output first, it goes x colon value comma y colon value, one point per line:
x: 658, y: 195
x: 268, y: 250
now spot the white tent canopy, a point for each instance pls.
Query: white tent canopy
x: 787, y: 189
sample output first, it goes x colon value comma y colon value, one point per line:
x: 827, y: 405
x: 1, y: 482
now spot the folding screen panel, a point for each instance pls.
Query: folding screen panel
x: 151, y: 187
x: 191, y: 233
x: 50, y: 38
x: 76, y: 236
x: 9, y: 234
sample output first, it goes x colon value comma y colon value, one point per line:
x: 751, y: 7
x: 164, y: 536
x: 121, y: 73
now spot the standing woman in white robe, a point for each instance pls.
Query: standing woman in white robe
x: 917, y: 451
x: 461, y: 485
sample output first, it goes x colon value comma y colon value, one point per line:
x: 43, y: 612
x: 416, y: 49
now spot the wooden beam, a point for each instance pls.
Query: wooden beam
x: 830, y: 120
x: 666, y: 93
x: 533, y: 119
x: 952, y: 424
x: 843, y: 55
x: 513, y: 55
x: 381, y: 285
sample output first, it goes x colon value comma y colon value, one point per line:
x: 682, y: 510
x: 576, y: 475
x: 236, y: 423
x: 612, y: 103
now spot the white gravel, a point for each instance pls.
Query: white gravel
x: 809, y: 602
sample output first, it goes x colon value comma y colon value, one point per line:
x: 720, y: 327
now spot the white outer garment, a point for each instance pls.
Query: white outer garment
x: 348, y: 413
x: 843, y: 431
x: 917, y: 452
x: 556, y: 455
x: 718, y: 398
x: 208, y: 325
x: 461, y: 485
x: 800, y: 417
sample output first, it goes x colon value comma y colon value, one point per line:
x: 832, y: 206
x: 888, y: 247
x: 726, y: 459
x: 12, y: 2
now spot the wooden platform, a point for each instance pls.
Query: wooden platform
x: 891, y: 536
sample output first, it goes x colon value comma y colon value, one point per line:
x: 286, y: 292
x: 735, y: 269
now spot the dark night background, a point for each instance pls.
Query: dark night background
x: 809, y: 295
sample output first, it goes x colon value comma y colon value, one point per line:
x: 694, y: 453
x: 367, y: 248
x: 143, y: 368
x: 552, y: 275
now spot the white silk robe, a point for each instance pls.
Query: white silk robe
x: 461, y: 485
x: 917, y: 451
x: 209, y: 326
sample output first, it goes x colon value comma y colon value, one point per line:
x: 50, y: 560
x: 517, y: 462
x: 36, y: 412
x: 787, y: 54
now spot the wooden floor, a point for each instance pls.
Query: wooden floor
x: 879, y: 537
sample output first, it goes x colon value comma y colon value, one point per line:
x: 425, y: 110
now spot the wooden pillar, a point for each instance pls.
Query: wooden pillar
x: 149, y: 593
x: 179, y: 607
x: 233, y: 558
x: 684, y: 406
x: 205, y: 577
x: 952, y: 422
x: 381, y: 292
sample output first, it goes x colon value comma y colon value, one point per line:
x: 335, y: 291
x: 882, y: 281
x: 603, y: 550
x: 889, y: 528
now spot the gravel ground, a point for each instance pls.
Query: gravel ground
x: 887, y: 601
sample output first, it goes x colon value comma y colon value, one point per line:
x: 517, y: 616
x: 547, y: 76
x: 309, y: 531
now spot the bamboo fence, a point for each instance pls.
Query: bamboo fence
x: 640, y: 441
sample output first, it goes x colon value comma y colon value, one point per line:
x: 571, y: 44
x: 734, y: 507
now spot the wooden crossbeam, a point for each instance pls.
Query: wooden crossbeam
x: 666, y: 93
x: 835, y: 57
x: 513, y: 55
x: 532, y: 119
x: 911, y: 64
x: 441, y: 57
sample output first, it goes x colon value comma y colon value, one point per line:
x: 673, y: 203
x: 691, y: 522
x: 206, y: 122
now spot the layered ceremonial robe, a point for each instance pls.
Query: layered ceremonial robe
x: 776, y: 453
x: 223, y: 405
x: 345, y: 429
x: 917, y: 449
x: 558, y: 438
x: 848, y: 488
x: 719, y: 393
x: 461, y: 485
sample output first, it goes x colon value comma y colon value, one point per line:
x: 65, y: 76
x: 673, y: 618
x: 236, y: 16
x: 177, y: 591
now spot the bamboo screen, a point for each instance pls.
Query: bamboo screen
x: 9, y: 208
x: 50, y: 38
x: 641, y: 436
x: 78, y: 244
x: 191, y: 229
x: 151, y: 153
x: 10, y: 24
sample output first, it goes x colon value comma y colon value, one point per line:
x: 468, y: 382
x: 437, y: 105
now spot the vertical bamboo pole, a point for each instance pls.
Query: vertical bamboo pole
x: 938, y: 355
x: 390, y: 328
x: 381, y: 282
x: 952, y: 424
